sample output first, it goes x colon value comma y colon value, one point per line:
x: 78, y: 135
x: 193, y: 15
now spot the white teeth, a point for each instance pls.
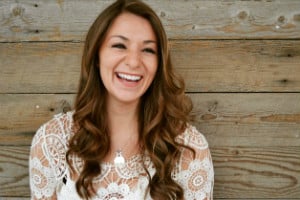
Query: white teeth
x: 129, y: 77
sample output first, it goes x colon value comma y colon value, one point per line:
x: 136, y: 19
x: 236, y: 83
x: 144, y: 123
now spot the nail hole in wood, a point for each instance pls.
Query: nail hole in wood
x: 281, y: 19
x: 242, y: 15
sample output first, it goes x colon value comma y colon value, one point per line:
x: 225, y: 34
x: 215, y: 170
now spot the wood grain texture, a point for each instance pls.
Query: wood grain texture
x: 240, y: 60
x: 238, y: 66
x: 206, y: 66
x: 31, y: 20
x: 24, y: 114
x: 14, y: 171
x: 269, y: 172
x: 39, y: 67
x: 240, y: 173
x: 226, y: 119
x: 255, y: 119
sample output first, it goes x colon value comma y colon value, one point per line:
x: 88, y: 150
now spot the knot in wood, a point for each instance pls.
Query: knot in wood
x: 65, y: 106
x: 243, y: 15
x: 17, y: 11
x: 284, y: 80
x: 208, y: 117
x: 281, y: 19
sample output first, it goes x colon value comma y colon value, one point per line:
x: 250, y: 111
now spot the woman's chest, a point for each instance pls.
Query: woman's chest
x: 129, y: 181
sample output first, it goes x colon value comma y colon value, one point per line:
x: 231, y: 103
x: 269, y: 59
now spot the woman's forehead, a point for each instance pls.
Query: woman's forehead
x: 129, y: 26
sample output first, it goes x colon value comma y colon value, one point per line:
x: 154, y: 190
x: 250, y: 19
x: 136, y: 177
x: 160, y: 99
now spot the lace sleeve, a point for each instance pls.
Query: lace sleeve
x: 47, y: 163
x: 196, y: 175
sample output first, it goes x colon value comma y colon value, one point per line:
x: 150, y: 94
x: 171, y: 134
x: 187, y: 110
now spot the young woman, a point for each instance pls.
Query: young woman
x: 129, y: 135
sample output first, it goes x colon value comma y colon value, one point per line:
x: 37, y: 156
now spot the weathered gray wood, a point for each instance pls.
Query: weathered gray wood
x: 226, y: 119
x: 206, y: 66
x: 254, y: 137
x: 21, y: 115
x: 239, y: 66
x: 268, y: 172
x: 14, y: 171
x: 256, y: 120
x: 31, y: 20
x: 39, y: 67
x: 248, y: 172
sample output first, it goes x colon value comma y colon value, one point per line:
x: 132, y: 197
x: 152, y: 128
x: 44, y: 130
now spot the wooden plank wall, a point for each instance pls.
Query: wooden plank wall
x: 240, y: 60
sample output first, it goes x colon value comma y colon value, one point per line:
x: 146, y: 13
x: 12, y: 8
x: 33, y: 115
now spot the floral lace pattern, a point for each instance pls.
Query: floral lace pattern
x: 43, y: 182
x: 50, y: 177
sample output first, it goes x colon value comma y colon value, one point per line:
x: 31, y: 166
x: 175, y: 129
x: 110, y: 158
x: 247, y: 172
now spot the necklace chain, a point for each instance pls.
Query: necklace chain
x: 119, y: 159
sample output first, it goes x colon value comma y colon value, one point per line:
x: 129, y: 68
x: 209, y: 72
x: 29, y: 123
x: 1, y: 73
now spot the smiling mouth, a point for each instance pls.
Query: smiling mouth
x: 132, y: 78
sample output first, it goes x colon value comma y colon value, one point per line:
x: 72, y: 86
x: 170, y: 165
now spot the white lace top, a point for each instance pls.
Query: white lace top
x: 50, y: 176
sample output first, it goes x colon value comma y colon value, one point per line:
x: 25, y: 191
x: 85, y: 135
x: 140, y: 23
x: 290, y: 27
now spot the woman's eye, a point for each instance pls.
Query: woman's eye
x: 149, y: 50
x: 119, y: 46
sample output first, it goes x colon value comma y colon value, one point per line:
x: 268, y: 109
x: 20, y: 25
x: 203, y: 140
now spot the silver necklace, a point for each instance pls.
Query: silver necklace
x: 119, y: 159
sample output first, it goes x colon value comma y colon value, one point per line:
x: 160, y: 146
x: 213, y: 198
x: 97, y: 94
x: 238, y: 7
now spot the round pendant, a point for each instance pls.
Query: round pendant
x: 119, y: 159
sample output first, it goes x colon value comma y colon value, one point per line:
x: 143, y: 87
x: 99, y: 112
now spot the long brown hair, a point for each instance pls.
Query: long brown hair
x: 163, y: 110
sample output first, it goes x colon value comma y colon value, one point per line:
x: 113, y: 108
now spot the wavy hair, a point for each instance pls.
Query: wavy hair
x: 164, y: 109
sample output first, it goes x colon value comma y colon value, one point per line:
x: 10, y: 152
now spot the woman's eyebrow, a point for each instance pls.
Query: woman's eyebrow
x: 120, y: 36
x: 127, y: 39
x: 149, y: 41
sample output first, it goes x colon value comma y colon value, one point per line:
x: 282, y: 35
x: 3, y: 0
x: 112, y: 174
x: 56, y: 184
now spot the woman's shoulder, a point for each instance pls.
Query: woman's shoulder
x: 194, y: 171
x: 193, y: 138
x: 55, y: 133
x: 50, y: 143
x: 60, y: 121
x: 59, y: 126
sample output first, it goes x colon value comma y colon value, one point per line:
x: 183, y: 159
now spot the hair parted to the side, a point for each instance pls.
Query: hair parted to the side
x: 163, y: 113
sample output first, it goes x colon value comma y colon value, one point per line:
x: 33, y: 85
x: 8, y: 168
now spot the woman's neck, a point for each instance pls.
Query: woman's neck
x: 123, y: 124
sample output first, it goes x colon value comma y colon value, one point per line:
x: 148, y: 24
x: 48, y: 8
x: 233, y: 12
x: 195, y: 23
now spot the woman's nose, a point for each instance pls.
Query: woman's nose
x: 133, y: 58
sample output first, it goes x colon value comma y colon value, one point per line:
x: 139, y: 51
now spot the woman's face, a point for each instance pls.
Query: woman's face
x: 128, y: 58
